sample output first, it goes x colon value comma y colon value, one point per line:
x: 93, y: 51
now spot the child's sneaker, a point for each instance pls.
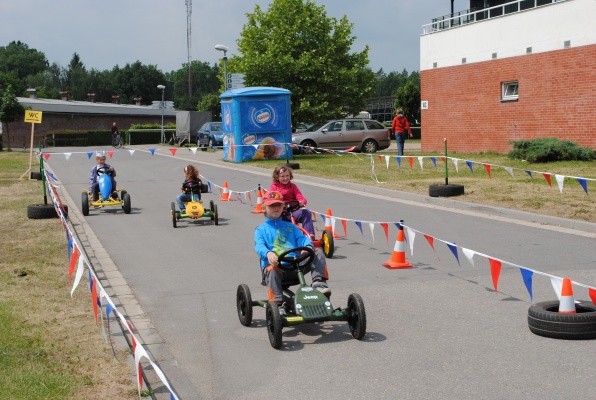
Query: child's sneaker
x: 322, y: 287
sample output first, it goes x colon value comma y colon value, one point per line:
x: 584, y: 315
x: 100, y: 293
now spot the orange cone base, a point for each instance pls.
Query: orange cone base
x: 257, y: 211
x: 396, y: 265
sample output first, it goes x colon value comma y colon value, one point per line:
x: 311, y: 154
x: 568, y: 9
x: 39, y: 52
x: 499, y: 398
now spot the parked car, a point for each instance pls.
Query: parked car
x: 366, y: 135
x: 209, y: 135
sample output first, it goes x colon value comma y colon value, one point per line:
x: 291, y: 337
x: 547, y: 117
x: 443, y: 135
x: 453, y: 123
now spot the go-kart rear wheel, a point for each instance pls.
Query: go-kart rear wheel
x: 85, y: 203
x: 122, y: 193
x: 211, y: 208
x: 356, y: 316
x: 126, y: 200
x: 215, y: 215
x: 274, y: 325
x: 173, y: 215
x: 327, y: 243
x: 244, y: 304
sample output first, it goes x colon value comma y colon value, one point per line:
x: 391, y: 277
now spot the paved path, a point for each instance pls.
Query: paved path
x: 438, y: 330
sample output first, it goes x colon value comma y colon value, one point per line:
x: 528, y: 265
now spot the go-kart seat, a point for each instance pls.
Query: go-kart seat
x: 285, y: 283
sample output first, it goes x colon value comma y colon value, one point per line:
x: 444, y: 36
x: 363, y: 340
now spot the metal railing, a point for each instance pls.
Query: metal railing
x: 475, y: 15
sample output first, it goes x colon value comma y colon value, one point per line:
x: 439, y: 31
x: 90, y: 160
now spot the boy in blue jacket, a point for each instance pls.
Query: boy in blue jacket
x: 275, y: 236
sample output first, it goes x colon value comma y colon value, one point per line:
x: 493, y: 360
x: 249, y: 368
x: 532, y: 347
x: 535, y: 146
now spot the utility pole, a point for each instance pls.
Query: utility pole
x: 188, y: 43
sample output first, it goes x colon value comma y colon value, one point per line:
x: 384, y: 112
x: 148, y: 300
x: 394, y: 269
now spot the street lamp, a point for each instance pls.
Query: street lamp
x: 162, y: 106
x: 225, y: 49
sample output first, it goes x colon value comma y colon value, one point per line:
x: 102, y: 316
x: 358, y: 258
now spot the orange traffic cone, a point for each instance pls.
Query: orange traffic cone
x: 328, y: 224
x: 566, y: 303
x: 398, y: 258
x: 225, y: 196
x: 259, y: 209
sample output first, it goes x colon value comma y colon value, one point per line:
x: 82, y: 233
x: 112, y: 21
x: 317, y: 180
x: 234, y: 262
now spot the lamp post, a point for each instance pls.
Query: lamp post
x: 224, y: 48
x: 162, y: 106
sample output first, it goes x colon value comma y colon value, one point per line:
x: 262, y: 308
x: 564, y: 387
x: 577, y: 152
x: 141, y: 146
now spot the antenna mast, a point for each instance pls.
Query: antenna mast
x: 188, y: 43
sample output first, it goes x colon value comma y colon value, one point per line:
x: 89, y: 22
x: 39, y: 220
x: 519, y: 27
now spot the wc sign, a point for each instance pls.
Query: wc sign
x: 33, y: 116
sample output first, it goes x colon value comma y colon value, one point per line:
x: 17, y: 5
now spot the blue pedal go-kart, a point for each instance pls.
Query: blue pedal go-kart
x: 108, y: 197
x: 195, y: 210
x: 305, y: 305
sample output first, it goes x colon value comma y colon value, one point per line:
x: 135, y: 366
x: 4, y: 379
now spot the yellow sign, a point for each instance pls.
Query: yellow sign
x: 33, y: 116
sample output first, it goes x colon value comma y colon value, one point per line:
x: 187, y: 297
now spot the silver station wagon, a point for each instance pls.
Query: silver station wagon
x: 365, y: 135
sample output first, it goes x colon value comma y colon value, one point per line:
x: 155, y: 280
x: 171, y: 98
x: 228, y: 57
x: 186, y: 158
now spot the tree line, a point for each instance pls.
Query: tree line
x: 293, y: 44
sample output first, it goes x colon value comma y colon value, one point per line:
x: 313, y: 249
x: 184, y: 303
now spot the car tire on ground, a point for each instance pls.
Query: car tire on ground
x: 41, y: 211
x: 370, y: 146
x: 445, y: 190
x: 544, y: 320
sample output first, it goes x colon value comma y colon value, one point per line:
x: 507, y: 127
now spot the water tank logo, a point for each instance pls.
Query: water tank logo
x: 263, y: 115
x: 227, y: 117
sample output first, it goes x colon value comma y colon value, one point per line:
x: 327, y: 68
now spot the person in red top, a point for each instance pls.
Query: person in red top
x: 401, y: 128
x: 282, y: 176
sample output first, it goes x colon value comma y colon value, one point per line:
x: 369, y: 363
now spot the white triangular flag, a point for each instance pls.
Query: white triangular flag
x: 469, y: 255
x: 420, y: 162
x: 67, y: 155
x: 411, y: 236
x: 560, y: 179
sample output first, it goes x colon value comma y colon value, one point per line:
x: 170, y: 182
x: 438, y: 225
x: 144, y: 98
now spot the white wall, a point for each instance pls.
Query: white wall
x: 544, y: 29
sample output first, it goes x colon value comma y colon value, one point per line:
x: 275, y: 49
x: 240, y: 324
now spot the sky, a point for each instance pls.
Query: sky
x: 106, y: 33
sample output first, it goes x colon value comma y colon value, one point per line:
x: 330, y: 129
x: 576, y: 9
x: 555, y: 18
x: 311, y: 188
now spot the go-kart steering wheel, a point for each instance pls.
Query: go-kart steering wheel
x: 292, y: 205
x: 103, y: 170
x: 308, y: 256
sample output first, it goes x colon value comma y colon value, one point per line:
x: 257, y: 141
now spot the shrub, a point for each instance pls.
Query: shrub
x: 550, y: 149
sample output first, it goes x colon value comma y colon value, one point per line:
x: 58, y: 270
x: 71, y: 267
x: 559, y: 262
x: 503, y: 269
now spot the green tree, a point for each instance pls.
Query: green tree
x: 17, y: 61
x: 135, y: 80
x: 294, y: 45
x: 204, y: 80
x: 76, y: 78
x: 210, y: 102
x: 10, y: 110
x: 387, y: 84
x: 408, y: 98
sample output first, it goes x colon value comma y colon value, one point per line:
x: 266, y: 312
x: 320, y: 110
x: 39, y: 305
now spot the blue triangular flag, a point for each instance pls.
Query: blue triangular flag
x: 359, y: 226
x: 584, y: 184
x: 89, y: 154
x: 527, y: 276
x: 398, y: 161
x: 152, y: 151
x: 529, y: 173
x: 469, y: 164
x: 453, y: 249
x: 434, y: 160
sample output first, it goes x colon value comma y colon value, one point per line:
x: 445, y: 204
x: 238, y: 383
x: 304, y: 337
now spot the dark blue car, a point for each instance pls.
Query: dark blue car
x: 209, y: 135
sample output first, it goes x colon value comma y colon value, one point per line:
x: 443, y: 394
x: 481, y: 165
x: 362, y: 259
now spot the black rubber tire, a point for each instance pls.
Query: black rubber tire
x: 41, y: 211
x: 328, y: 245
x: 274, y: 325
x: 173, y: 211
x: 126, y: 206
x: 85, y: 203
x: 36, y: 176
x: 122, y: 193
x: 370, y: 146
x: 356, y: 316
x: 215, y: 215
x: 544, y: 320
x: 210, y: 145
x: 244, y: 304
x: 307, y: 146
x: 445, y: 190
x: 212, y: 209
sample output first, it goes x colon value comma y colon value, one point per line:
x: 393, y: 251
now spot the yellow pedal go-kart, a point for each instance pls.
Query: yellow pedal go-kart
x: 195, y: 210
x: 106, y: 196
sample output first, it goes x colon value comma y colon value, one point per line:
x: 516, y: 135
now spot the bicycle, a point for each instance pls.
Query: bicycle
x: 117, y: 140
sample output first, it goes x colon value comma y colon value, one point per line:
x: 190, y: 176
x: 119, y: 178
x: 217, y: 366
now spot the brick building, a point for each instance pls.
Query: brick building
x: 514, y: 70
x: 81, y: 115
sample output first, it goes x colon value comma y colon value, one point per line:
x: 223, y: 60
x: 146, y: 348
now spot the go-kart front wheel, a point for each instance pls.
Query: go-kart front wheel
x: 244, y: 304
x: 274, y: 325
x: 126, y: 203
x: 215, y: 215
x: 327, y: 243
x: 85, y: 203
x: 211, y: 208
x: 173, y: 215
x: 356, y: 316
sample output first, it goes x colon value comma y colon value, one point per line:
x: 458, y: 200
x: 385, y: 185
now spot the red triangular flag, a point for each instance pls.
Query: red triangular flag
x: 132, y: 337
x: 73, y: 261
x: 487, y: 166
x: 111, y: 153
x: 46, y: 156
x: 430, y: 240
x: 495, y: 270
x: 411, y: 160
x: 94, y: 299
x: 380, y: 159
x: 592, y: 293
x: 344, y: 223
x: 547, y: 177
x: 173, y: 151
x: 443, y: 158
x: 386, y: 230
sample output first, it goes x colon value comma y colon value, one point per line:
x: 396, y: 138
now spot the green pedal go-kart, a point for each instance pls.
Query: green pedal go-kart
x: 106, y: 196
x: 306, y: 305
x: 194, y: 210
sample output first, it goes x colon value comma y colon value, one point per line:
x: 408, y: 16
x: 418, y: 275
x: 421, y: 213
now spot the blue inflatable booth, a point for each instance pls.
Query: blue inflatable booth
x: 257, y: 124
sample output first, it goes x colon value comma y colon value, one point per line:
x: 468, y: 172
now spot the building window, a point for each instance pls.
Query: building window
x: 509, y: 91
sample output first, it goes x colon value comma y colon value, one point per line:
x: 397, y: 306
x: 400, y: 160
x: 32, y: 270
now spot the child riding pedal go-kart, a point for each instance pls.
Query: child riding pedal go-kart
x: 190, y: 202
x: 105, y: 195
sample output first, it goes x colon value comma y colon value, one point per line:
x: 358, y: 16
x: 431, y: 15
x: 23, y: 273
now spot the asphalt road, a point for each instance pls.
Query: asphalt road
x: 437, y: 330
